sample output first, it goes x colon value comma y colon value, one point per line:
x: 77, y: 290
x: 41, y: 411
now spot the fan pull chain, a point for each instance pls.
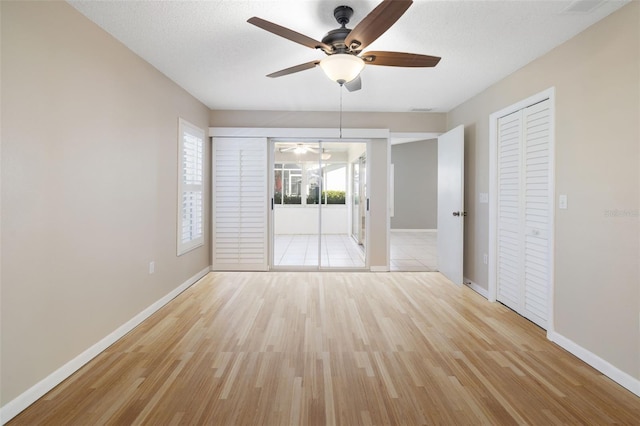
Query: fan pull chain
x: 341, y: 111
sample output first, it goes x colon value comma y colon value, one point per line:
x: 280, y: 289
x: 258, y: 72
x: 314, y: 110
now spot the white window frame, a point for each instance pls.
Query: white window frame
x: 183, y: 246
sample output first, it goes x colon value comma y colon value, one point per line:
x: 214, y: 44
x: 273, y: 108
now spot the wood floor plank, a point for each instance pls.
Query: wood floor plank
x: 298, y: 348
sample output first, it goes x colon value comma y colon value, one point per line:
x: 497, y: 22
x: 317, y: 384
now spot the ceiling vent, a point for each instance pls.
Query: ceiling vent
x: 583, y: 6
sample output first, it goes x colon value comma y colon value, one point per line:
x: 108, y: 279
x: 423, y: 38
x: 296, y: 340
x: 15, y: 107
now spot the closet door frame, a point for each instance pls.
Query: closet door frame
x: 493, y: 198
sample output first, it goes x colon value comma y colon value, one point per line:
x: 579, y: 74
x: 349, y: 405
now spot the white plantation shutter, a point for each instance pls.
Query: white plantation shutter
x: 240, y: 204
x: 524, y: 211
x: 190, y: 187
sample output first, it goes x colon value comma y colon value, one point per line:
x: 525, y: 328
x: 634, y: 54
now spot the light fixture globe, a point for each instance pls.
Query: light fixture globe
x: 342, y: 67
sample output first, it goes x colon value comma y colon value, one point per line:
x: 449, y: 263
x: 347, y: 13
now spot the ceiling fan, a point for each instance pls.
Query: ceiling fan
x: 302, y: 149
x: 299, y: 148
x: 344, y: 46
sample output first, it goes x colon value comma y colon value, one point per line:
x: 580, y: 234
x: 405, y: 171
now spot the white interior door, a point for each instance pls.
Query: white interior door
x: 451, y: 204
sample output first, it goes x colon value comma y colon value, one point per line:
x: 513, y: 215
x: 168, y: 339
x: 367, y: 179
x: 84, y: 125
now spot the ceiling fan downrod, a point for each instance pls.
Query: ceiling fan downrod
x: 335, y: 38
x: 343, y: 15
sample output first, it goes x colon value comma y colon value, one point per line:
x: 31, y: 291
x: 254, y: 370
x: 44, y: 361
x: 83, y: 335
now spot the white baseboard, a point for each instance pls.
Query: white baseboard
x: 31, y: 395
x: 623, y: 379
x: 478, y: 289
x: 379, y: 269
x: 414, y: 230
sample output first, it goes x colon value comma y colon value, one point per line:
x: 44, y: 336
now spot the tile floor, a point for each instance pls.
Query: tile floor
x: 338, y: 251
x: 414, y: 251
x: 410, y: 251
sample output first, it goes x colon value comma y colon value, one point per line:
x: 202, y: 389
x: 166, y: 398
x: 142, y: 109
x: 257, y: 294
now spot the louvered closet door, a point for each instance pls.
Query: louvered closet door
x: 524, y: 211
x: 240, y: 204
x: 509, y: 260
x: 537, y: 211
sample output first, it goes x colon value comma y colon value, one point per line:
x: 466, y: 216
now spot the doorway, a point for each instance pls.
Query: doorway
x: 314, y: 204
x: 442, y: 246
x: 414, y: 208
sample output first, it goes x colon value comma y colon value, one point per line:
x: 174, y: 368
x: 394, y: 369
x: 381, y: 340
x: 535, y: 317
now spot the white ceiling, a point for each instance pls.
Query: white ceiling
x: 209, y: 49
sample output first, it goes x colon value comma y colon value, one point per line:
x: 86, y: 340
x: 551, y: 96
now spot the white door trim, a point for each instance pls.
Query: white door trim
x: 493, y: 199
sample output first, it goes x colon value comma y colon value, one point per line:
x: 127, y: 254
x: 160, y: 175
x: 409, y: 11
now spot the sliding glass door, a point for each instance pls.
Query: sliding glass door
x: 312, y: 205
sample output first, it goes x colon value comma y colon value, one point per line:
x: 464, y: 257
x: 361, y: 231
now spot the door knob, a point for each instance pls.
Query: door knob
x: 456, y: 213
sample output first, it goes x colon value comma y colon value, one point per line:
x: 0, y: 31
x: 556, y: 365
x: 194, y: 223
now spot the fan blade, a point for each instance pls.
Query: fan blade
x: 289, y: 34
x: 353, y: 85
x: 399, y: 59
x: 376, y: 23
x: 291, y: 70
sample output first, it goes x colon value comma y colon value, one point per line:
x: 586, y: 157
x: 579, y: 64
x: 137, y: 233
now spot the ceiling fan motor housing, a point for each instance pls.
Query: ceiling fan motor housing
x: 335, y: 38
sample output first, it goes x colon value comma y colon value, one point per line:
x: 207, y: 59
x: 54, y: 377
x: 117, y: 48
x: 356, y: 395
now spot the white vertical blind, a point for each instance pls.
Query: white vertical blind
x: 190, y: 187
x: 524, y: 212
x: 240, y: 204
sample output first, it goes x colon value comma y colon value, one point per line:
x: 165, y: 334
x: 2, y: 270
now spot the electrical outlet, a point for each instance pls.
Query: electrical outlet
x: 562, y: 201
x: 152, y: 267
x: 485, y: 259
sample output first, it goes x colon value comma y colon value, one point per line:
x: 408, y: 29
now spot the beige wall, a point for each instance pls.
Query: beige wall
x: 394, y: 121
x: 377, y: 192
x: 89, y: 188
x: 597, y: 280
x: 415, y: 185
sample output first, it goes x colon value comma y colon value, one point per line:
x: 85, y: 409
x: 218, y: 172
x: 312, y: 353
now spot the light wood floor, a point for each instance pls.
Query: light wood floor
x: 334, y: 348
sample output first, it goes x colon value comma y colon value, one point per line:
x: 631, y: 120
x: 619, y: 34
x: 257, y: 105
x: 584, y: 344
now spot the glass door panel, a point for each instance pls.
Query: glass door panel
x: 339, y: 250
x: 295, y: 213
x: 317, y: 205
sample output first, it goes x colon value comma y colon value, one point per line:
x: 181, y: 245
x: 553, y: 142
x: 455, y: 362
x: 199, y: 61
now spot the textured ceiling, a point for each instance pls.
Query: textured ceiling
x: 209, y: 49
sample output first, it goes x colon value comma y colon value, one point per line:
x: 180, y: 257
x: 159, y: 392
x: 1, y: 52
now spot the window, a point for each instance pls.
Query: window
x: 288, y: 184
x: 335, y: 183
x: 190, y: 187
x: 314, y: 182
x: 302, y: 183
x: 331, y: 178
